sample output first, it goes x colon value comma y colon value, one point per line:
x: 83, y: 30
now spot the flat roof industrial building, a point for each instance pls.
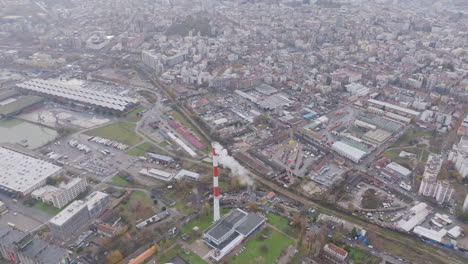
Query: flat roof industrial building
x: 229, y: 231
x: 23, y: 174
x: 79, y: 95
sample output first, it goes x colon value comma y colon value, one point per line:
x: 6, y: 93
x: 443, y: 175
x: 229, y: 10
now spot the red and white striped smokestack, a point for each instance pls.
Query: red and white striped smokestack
x: 215, y: 187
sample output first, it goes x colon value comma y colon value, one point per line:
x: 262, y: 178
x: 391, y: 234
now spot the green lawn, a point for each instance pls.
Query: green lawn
x: 141, y: 149
x: 164, y: 144
x: 278, y: 221
x: 132, y: 115
x: 120, y: 131
x: 270, y: 249
x: 191, y: 257
x: 50, y: 209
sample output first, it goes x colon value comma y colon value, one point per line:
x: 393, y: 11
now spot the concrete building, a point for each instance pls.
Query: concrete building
x: 399, y: 109
x: 152, y: 59
x: 465, y: 204
x: 442, y: 191
x: 79, y: 95
x: 459, y: 156
x: 332, y: 254
x: 20, y: 247
x: 357, y: 89
x: 69, y: 220
x: 22, y: 174
x: 68, y: 191
x: 415, y: 216
x: 229, y: 231
x: 157, y: 174
x: 377, y: 136
x: 97, y: 202
x: 348, y: 151
x: 399, y: 170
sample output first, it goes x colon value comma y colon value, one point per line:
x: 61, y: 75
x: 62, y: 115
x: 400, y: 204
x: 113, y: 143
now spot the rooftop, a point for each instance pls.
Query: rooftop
x: 20, y: 172
x: 67, y: 213
x: 80, y: 94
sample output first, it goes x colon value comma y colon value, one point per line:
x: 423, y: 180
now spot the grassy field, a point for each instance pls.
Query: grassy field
x: 141, y: 149
x: 132, y: 115
x: 278, y: 221
x: 121, y: 132
x: 137, y: 207
x: 164, y: 144
x: 50, y: 209
x: 119, y: 181
x: 191, y: 257
x: 269, y: 248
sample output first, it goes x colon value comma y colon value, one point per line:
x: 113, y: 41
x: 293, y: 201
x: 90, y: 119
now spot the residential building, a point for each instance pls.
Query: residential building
x: 442, y: 191
x: 68, y: 191
x: 332, y: 254
x: 459, y: 156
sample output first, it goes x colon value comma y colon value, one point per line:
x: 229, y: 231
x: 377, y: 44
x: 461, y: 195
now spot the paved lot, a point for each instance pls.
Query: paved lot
x: 21, y: 221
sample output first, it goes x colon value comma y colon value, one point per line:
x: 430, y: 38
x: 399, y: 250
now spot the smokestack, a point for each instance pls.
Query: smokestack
x: 216, y: 212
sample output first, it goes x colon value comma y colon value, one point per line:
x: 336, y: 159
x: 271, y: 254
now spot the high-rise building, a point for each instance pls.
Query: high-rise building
x: 442, y: 191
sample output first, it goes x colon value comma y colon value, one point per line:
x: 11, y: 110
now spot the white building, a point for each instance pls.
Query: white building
x: 68, y: 191
x: 415, y: 216
x: 153, y: 60
x: 22, y: 174
x: 357, y: 89
x: 465, y: 204
x: 442, y: 191
x: 430, y: 233
x: 459, y: 156
x: 348, y: 151
x: 157, y: 174
x: 97, y: 202
x: 69, y: 221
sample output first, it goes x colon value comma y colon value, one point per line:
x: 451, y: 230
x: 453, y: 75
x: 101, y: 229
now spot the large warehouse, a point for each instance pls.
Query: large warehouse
x: 22, y: 174
x: 77, y: 94
x: 348, y: 151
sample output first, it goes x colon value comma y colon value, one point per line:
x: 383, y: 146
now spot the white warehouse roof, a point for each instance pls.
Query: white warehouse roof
x: 23, y: 173
x: 398, y: 168
x: 430, y: 234
x: 348, y: 151
x: 79, y: 94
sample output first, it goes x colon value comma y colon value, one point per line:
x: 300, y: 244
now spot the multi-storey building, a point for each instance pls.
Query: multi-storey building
x: 69, y: 220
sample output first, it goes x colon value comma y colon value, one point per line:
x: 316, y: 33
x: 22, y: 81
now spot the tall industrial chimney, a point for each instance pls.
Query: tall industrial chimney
x: 215, y: 187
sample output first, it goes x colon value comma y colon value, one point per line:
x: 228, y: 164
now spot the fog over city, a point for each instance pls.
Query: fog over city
x: 234, y: 131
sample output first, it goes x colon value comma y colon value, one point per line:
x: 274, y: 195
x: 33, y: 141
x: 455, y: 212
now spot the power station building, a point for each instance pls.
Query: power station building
x: 229, y: 231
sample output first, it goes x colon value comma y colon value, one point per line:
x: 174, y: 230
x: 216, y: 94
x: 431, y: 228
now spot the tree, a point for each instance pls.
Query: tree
x: 206, y: 208
x: 114, y: 257
x: 328, y: 81
x: 235, y: 183
x: 252, y: 206
x: 156, y: 250
x: 354, y: 232
x: 443, y: 174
